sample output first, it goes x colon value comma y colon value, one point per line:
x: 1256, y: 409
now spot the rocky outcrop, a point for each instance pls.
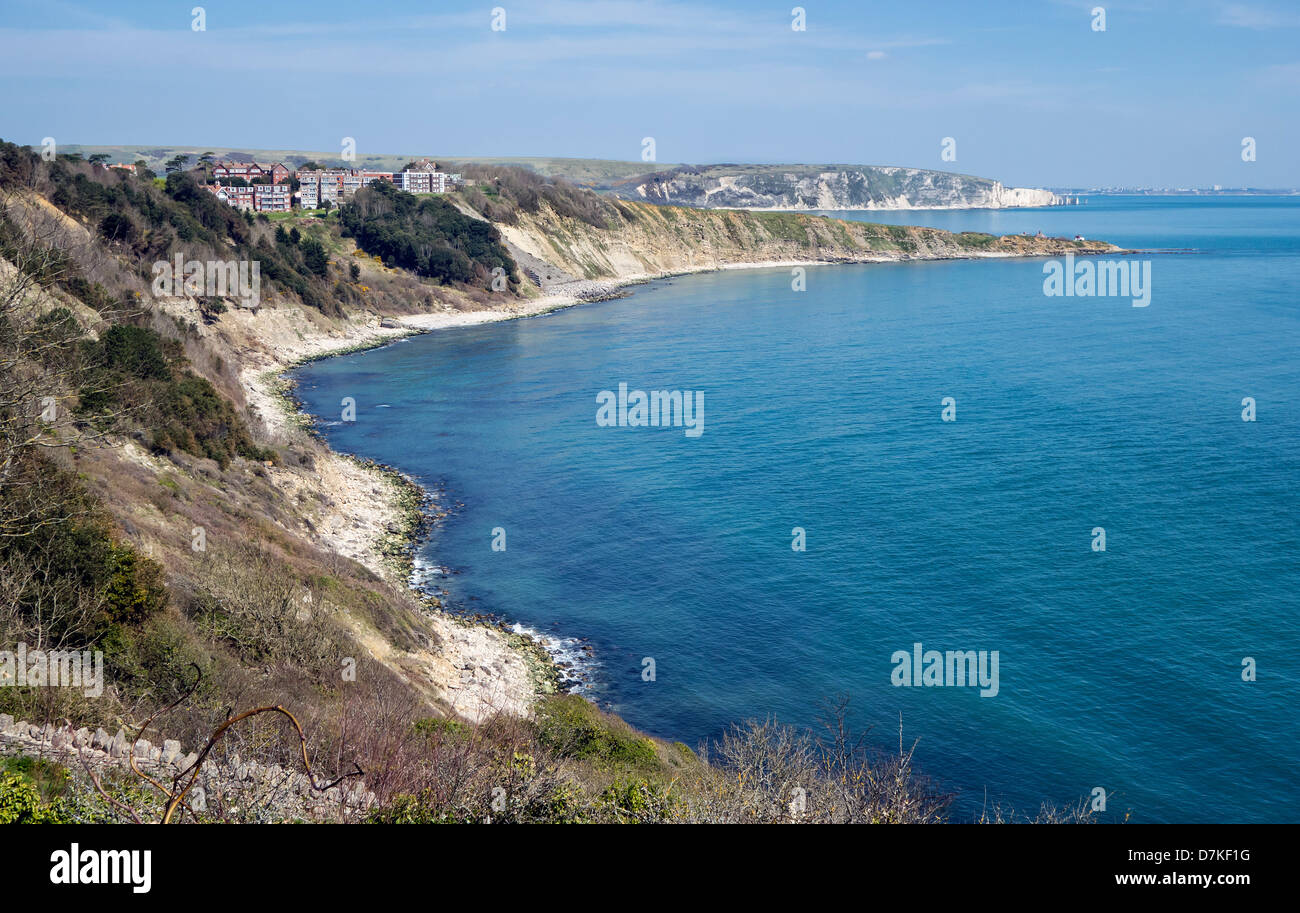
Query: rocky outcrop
x: 825, y: 187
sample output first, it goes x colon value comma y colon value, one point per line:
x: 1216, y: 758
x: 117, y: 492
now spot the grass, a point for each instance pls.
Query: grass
x: 295, y: 215
x: 49, y: 777
x: 579, y: 730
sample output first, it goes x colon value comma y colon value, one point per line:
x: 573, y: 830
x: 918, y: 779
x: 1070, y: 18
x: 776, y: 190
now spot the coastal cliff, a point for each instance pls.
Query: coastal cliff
x: 825, y: 187
x: 644, y: 240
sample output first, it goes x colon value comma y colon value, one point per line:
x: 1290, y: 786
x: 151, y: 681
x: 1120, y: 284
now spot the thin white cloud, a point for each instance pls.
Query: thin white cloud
x: 1248, y: 16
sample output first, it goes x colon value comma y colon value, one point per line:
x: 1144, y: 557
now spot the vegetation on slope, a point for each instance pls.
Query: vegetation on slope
x: 428, y: 236
x: 500, y: 193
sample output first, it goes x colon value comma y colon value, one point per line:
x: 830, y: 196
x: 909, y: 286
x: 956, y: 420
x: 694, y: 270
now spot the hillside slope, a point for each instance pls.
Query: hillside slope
x: 645, y: 240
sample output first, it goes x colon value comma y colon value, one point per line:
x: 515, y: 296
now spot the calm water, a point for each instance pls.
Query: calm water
x: 1119, y: 670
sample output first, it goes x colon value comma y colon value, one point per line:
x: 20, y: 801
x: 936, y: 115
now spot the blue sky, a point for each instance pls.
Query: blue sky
x: 1031, y: 94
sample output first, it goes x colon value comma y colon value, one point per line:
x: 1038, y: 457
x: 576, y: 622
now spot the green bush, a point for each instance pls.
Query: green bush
x: 138, y: 351
x: 637, y: 802
x: 157, y: 659
x: 577, y: 729
x: 80, y: 562
x: 21, y: 803
x: 135, y: 589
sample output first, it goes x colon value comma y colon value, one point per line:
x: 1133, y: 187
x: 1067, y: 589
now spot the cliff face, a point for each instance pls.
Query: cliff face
x: 646, y: 240
x: 805, y: 187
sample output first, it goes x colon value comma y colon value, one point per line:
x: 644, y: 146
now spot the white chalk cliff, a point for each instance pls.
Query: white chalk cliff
x: 834, y: 187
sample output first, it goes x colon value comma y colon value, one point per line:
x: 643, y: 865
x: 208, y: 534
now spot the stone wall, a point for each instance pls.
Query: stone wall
x: 228, y: 787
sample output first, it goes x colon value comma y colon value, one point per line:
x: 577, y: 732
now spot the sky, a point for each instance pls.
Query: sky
x: 1030, y: 92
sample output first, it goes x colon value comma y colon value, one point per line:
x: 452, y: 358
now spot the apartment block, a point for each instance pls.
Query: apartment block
x: 255, y: 197
x: 276, y: 173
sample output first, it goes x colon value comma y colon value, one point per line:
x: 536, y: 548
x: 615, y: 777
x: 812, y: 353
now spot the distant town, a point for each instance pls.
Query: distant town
x: 275, y: 187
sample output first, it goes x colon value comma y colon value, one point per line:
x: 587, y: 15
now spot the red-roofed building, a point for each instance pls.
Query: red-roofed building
x: 276, y: 173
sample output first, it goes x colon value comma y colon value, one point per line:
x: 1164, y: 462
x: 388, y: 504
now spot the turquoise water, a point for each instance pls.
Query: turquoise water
x: 1118, y: 669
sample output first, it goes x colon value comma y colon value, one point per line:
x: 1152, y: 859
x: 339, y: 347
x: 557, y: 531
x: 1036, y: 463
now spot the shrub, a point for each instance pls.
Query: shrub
x: 135, y: 589
x: 117, y: 227
x: 576, y: 729
x: 637, y: 802
x: 21, y: 803
x: 135, y: 350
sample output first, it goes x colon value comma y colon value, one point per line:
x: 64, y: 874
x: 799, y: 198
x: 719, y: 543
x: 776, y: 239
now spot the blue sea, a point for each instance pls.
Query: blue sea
x: 1119, y: 669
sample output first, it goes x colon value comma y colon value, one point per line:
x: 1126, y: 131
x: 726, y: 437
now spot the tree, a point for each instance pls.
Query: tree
x: 315, y: 258
x: 117, y: 227
x: 175, y: 163
x: 98, y: 158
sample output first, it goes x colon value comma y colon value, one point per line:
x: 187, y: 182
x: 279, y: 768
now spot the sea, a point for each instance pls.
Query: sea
x: 902, y: 473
